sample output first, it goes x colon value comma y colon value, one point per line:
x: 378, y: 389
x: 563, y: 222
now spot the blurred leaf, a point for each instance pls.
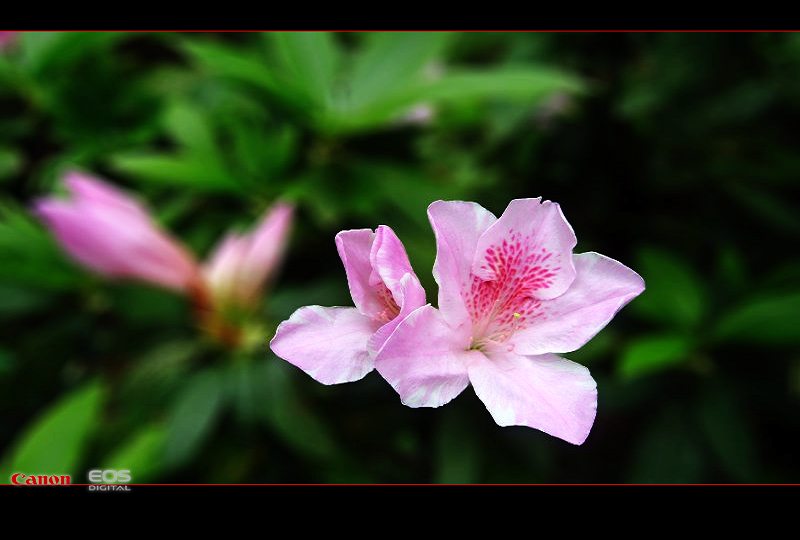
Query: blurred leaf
x: 245, y: 384
x: 309, y: 62
x: 44, y: 52
x: 668, y: 453
x: 651, y: 354
x: 325, y: 292
x: 675, y: 295
x: 729, y: 434
x: 523, y: 84
x: 771, y: 209
x: 193, y: 416
x: 765, y: 320
x: 389, y: 61
x: 16, y: 301
x: 458, y: 450
x: 142, y: 454
x: 178, y: 170
x: 10, y: 163
x: 153, y: 378
x: 731, y: 268
x: 54, y: 442
x: 189, y: 126
x: 143, y: 305
x: 243, y: 66
x: 30, y: 256
x: 290, y: 418
x: 7, y: 361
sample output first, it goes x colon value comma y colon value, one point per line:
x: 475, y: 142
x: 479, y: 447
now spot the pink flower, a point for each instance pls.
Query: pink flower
x: 337, y: 344
x: 6, y: 37
x: 511, y: 295
x: 111, y: 233
x: 242, y: 263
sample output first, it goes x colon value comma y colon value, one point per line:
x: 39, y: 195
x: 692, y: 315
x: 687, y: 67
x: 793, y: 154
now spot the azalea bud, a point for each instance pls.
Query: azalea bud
x: 111, y: 233
x: 240, y: 266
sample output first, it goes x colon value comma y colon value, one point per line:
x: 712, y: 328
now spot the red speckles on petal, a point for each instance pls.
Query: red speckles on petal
x: 503, y: 304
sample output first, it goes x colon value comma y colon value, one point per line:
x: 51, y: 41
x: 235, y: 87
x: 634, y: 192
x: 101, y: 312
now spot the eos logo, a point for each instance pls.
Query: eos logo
x: 109, y: 476
x: 109, y: 479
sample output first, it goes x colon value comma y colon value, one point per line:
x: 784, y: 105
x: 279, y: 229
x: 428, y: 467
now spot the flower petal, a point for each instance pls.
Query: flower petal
x: 389, y: 261
x: 354, y: 248
x: 267, y: 246
x: 546, y: 392
x: 424, y: 360
x: 90, y: 190
x: 109, y: 232
x: 223, y: 268
x: 457, y: 225
x: 330, y: 344
x: 410, y: 296
x: 601, y: 288
x: 532, y: 243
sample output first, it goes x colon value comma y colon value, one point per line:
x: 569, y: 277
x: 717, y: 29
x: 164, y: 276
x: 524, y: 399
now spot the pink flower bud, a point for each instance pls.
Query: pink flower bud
x: 241, y: 264
x: 108, y: 231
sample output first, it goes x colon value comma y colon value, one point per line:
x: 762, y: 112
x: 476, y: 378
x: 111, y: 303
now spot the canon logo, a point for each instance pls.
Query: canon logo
x: 22, y: 479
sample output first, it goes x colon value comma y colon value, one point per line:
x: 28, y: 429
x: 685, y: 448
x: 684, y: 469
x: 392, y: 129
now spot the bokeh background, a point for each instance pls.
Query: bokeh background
x: 677, y: 154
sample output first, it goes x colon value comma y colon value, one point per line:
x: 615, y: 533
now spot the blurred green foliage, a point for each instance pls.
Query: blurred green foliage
x: 674, y: 153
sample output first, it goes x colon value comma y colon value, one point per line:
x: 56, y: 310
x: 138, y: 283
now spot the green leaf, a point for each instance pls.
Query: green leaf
x: 229, y: 62
x: 675, y: 296
x: 515, y: 84
x: 10, y: 163
x: 668, y: 452
x: 309, y: 62
x: 189, y: 126
x: 142, y: 454
x: 647, y: 355
x: 389, y: 61
x: 729, y: 434
x: 16, y: 301
x: 7, y: 361
x: 289, y: 417
x: 525, y: 84
x: 46, y: 52
x: 767, y: 320
x: 771, y: 209
x: 153, y: 379
x: 458, y: 452
x: 193, y: 416
x: 30, y: 255
x: 242, y: 66
x: 178, y: 170
x: 245, y: 385
x: 54, y: 442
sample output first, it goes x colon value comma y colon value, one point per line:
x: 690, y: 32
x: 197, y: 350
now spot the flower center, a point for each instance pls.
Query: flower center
x: 505, y: 303
x: 390, y: 307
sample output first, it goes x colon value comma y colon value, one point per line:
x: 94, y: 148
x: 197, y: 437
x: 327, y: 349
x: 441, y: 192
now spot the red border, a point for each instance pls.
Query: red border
x: 421, y: 485
x: 547, y: 31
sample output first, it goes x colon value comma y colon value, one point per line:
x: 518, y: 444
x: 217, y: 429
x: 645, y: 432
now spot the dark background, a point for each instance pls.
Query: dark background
x: 676, y: 154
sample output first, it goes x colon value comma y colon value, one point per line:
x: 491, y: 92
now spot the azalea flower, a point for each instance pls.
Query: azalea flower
x: 337, y: 344
x: 114, y: 235
x: 512, y: 296
x: 242, y: 263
